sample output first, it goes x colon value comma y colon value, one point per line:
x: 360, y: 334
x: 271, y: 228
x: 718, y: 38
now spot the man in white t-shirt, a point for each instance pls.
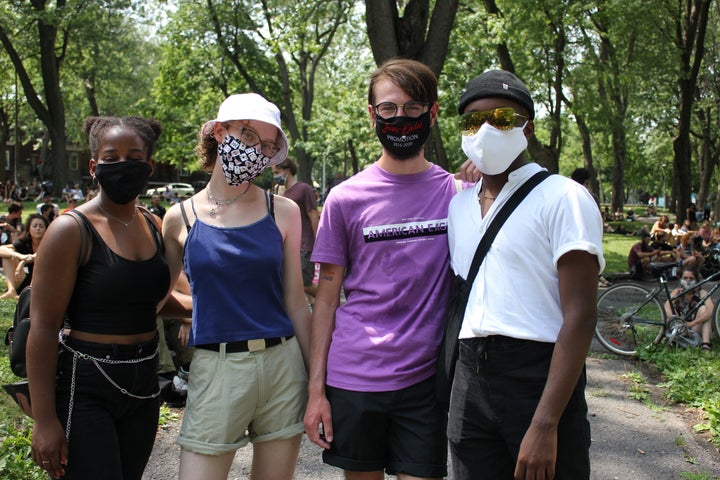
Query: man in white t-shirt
x: 517, y: 408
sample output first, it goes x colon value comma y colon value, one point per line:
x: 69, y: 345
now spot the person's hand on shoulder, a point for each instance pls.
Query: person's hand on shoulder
x: 468, y: 172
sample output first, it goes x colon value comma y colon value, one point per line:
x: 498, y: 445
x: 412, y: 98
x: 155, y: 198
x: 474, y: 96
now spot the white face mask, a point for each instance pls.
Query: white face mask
x: 687, y: 283
x: 492, y: 150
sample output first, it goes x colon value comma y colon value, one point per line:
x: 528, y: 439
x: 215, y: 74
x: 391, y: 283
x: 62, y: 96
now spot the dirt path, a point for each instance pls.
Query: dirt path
x: 631, y: 441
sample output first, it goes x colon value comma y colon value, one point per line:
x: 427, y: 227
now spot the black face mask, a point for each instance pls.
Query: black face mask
x: 123, y: 181
x: 403, y: 137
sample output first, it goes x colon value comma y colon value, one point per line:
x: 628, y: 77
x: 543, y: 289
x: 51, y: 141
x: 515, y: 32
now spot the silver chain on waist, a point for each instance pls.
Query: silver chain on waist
x: 97, y: 361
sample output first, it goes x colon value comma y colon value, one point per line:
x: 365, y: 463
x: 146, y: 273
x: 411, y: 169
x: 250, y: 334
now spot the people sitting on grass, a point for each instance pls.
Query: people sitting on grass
x: 640, y: 256
x: 698, y: 321
x: 619, y: 215
x: 18, y: 258
x: 705, y: 232
x: 677, y: 232
x: 660, y: 243
x: 715, y: 237
x: 661, y: 225
x: 690, y: 252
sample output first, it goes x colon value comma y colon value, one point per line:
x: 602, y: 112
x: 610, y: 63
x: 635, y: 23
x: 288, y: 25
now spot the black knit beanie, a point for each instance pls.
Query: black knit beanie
x: 497, y: 83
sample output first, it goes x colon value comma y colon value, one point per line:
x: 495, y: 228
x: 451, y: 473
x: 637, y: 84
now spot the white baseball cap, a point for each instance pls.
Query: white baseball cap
x: 251, y: 106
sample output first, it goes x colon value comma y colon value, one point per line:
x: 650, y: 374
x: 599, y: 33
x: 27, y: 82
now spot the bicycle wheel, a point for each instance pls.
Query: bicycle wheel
x: 628, y: 318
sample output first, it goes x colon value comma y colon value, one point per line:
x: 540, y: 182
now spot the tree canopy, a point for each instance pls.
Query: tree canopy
x: 627, y: 91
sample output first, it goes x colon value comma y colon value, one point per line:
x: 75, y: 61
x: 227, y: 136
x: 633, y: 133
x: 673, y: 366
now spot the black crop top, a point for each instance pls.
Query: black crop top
x: 116, y: 296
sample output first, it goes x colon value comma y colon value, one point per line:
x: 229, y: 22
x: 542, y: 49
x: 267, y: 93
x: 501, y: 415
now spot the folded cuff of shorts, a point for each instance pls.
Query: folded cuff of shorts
x: 204, y: 448
x: 285, y: 433
x: 350, y: 464
x: 392, y: 468
x: 426, y: 470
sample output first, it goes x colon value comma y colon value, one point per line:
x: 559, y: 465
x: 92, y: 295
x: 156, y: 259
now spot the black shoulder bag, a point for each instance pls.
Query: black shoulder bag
x: 16, y: 336
x: 461, y: 291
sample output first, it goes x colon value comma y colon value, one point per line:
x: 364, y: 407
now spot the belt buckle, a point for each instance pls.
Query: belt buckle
x: 256, y: 345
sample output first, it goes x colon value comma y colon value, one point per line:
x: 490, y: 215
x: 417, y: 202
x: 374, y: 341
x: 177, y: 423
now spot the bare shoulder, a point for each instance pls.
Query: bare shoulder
x: 64, y: 227
x: 286, y: 206
x: 287, y: 215
x: 61, y: 243
x: 173, y: 221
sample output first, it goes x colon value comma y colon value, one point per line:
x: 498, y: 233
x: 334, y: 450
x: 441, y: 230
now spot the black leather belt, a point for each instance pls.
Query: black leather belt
x: 246, y: 345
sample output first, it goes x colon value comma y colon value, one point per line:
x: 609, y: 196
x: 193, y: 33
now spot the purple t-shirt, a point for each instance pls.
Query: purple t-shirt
x: 390, y: 233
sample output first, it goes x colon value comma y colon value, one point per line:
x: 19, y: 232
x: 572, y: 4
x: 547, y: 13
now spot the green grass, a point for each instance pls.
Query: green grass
x: 15, y: 426
x: 692, y: 376
x: 615, y: 250
x: 617, y: 245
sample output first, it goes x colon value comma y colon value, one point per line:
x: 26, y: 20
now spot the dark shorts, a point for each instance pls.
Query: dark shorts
x: 497, y: 386
x: 399, y: 432
x: 308, y: 268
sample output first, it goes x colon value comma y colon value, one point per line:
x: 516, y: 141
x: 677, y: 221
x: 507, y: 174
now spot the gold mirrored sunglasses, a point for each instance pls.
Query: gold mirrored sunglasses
x: 503, y: 118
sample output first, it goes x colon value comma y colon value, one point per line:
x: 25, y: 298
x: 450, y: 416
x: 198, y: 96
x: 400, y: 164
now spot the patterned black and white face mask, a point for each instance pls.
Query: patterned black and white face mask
x: 240, y: 163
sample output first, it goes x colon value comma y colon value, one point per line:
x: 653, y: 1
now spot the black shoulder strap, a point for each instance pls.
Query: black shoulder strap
x: 152, y: 221
x: 500, y: 218
x: 184, y: 215
x: 85, y: 234
x: 270, y: 201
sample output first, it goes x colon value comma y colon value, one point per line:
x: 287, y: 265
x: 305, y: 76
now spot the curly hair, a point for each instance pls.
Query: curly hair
x: 148, y: 130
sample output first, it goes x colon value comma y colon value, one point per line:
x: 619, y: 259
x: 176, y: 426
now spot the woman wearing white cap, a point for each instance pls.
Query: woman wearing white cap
x: 240, y: 248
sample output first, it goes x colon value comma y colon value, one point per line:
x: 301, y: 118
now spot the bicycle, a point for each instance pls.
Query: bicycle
x: 632, y: 316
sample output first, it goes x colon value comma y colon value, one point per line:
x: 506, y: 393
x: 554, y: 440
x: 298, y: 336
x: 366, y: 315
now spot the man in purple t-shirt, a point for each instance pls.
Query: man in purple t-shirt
x: 382, y: 240
x: 302, y: 194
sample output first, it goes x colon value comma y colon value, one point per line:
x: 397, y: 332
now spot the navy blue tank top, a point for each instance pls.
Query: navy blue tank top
x: 114, y: 295
x: 236, y: 277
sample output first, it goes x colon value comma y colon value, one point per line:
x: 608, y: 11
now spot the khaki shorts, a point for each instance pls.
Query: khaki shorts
x: 234, y: 398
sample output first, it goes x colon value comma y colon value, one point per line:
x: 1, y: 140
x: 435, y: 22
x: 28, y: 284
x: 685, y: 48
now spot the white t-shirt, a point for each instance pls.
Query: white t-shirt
x: 516, y: 290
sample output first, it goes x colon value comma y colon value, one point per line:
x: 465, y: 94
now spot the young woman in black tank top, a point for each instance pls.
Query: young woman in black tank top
x: 105, y: 269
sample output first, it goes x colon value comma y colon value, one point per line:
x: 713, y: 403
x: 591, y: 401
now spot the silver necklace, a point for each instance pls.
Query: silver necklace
x: 125, y: 224
x: 215, y: 203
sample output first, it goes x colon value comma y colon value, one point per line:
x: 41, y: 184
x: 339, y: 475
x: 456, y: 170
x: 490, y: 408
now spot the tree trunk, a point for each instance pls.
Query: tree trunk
x: 544, y: 155
x: 354, y: 162
x: 586, y: 141
x: 706, y: 162
x: 691, y: 27
x: 619, y: 148
x: 434, y: 149
x: 547, y: 156
x: 410, y: 36
x: 51, y: 114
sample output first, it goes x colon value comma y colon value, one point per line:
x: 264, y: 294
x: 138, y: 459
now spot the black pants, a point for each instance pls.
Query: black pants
x: 111, y: 433
x: 497, y: 386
